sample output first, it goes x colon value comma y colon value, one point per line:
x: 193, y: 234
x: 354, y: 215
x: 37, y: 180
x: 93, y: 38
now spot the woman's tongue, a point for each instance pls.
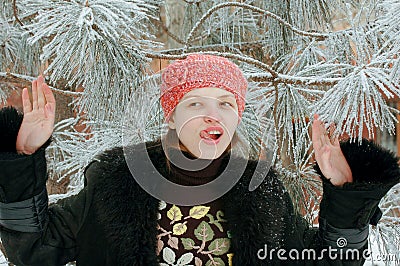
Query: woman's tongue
x: 205, y: 135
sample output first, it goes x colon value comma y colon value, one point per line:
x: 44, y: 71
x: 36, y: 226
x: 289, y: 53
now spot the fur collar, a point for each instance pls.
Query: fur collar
x: 129, y: 214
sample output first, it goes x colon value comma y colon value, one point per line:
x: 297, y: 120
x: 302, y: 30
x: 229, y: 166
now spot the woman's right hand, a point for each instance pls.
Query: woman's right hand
x: 329, y: 155
x: 38, y: 122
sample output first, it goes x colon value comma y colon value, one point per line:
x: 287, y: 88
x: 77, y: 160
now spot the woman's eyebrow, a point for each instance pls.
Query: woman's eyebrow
x: 205, y: 96
x: 226, y: 96
x: 190, y: 96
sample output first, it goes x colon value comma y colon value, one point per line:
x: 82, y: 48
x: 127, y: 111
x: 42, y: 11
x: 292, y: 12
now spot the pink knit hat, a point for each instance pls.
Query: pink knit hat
x: 200, y: 71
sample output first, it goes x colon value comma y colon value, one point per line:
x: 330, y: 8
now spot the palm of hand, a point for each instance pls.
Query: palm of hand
x: 329, y: 155
x: 34, y: 131
x: 38, y: 122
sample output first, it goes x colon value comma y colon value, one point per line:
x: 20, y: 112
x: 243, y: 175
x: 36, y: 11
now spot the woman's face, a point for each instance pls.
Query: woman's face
x: 205, y: 120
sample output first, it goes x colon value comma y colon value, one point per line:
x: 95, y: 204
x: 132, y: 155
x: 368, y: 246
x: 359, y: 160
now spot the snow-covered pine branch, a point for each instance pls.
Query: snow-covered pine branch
x: 15, y: 52
x: 96, y: 44
x: 360, y: 101
x: 389, y: 26
x: 26, y: 81
x: 255, y: 9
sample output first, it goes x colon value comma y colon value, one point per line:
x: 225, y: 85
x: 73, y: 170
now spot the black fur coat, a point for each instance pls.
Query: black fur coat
x: 113, y: 221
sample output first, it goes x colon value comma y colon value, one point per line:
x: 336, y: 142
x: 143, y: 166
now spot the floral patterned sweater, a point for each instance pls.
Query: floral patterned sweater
x: 193, y: 235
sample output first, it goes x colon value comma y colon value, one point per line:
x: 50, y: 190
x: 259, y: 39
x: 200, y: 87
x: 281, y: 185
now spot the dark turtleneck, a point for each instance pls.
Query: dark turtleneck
x: 199, y: 177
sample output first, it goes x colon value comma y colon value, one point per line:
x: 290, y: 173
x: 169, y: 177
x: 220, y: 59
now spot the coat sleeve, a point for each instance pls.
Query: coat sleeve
x: 346, y: 212
x: 32, y: 232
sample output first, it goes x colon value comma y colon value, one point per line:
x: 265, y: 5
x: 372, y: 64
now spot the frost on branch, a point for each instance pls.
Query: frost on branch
x: 359, y: 100
x: 389, y: 26
x: 94, y: 43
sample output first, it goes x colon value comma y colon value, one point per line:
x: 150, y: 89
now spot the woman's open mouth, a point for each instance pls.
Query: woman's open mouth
x: 212, y: 135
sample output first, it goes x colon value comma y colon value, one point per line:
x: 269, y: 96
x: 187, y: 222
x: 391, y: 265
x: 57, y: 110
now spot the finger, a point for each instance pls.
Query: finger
x: 325, y: 133
x: 323, y: 160
x: 50, y: 106
x: 324, y: 140
x: 333, y: 127
x: 332, y: 133
x: 316, y: 132
x: 321, y: 125
x: 49, y: 112
x: 34, y: 95
x: 26, y: 102
x: 48, y: 94
x: 335, y: 141
x: 319, y: 136
x: 335, y: 138
x: 41, y: 100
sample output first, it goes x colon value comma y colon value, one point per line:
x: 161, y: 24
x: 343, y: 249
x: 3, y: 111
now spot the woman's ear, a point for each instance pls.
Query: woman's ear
x: 171, y: 121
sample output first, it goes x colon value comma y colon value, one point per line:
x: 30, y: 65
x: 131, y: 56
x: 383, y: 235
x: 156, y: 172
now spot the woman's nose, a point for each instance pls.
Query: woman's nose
x: 210, y: 120
x: 212, y: 115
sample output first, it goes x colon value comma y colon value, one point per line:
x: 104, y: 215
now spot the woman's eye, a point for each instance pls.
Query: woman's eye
x: 194, y: 104
x: 227, y: 104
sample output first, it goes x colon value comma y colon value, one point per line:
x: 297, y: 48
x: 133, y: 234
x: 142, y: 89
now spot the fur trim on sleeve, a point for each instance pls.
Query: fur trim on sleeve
x: 10, y: 122
x: 370, y: 164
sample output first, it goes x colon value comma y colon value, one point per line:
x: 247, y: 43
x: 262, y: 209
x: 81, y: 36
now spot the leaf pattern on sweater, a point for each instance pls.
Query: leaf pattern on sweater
x: 203, y: 240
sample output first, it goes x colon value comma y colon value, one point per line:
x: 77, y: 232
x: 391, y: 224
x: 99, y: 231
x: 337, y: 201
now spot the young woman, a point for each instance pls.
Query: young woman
x: 115, y: 221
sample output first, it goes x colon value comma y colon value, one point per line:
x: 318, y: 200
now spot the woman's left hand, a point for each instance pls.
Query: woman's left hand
x: 329, y: 155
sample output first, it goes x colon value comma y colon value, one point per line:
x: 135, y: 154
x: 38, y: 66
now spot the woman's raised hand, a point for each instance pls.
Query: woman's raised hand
x: 38, y: 122
x: 329, y: 156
